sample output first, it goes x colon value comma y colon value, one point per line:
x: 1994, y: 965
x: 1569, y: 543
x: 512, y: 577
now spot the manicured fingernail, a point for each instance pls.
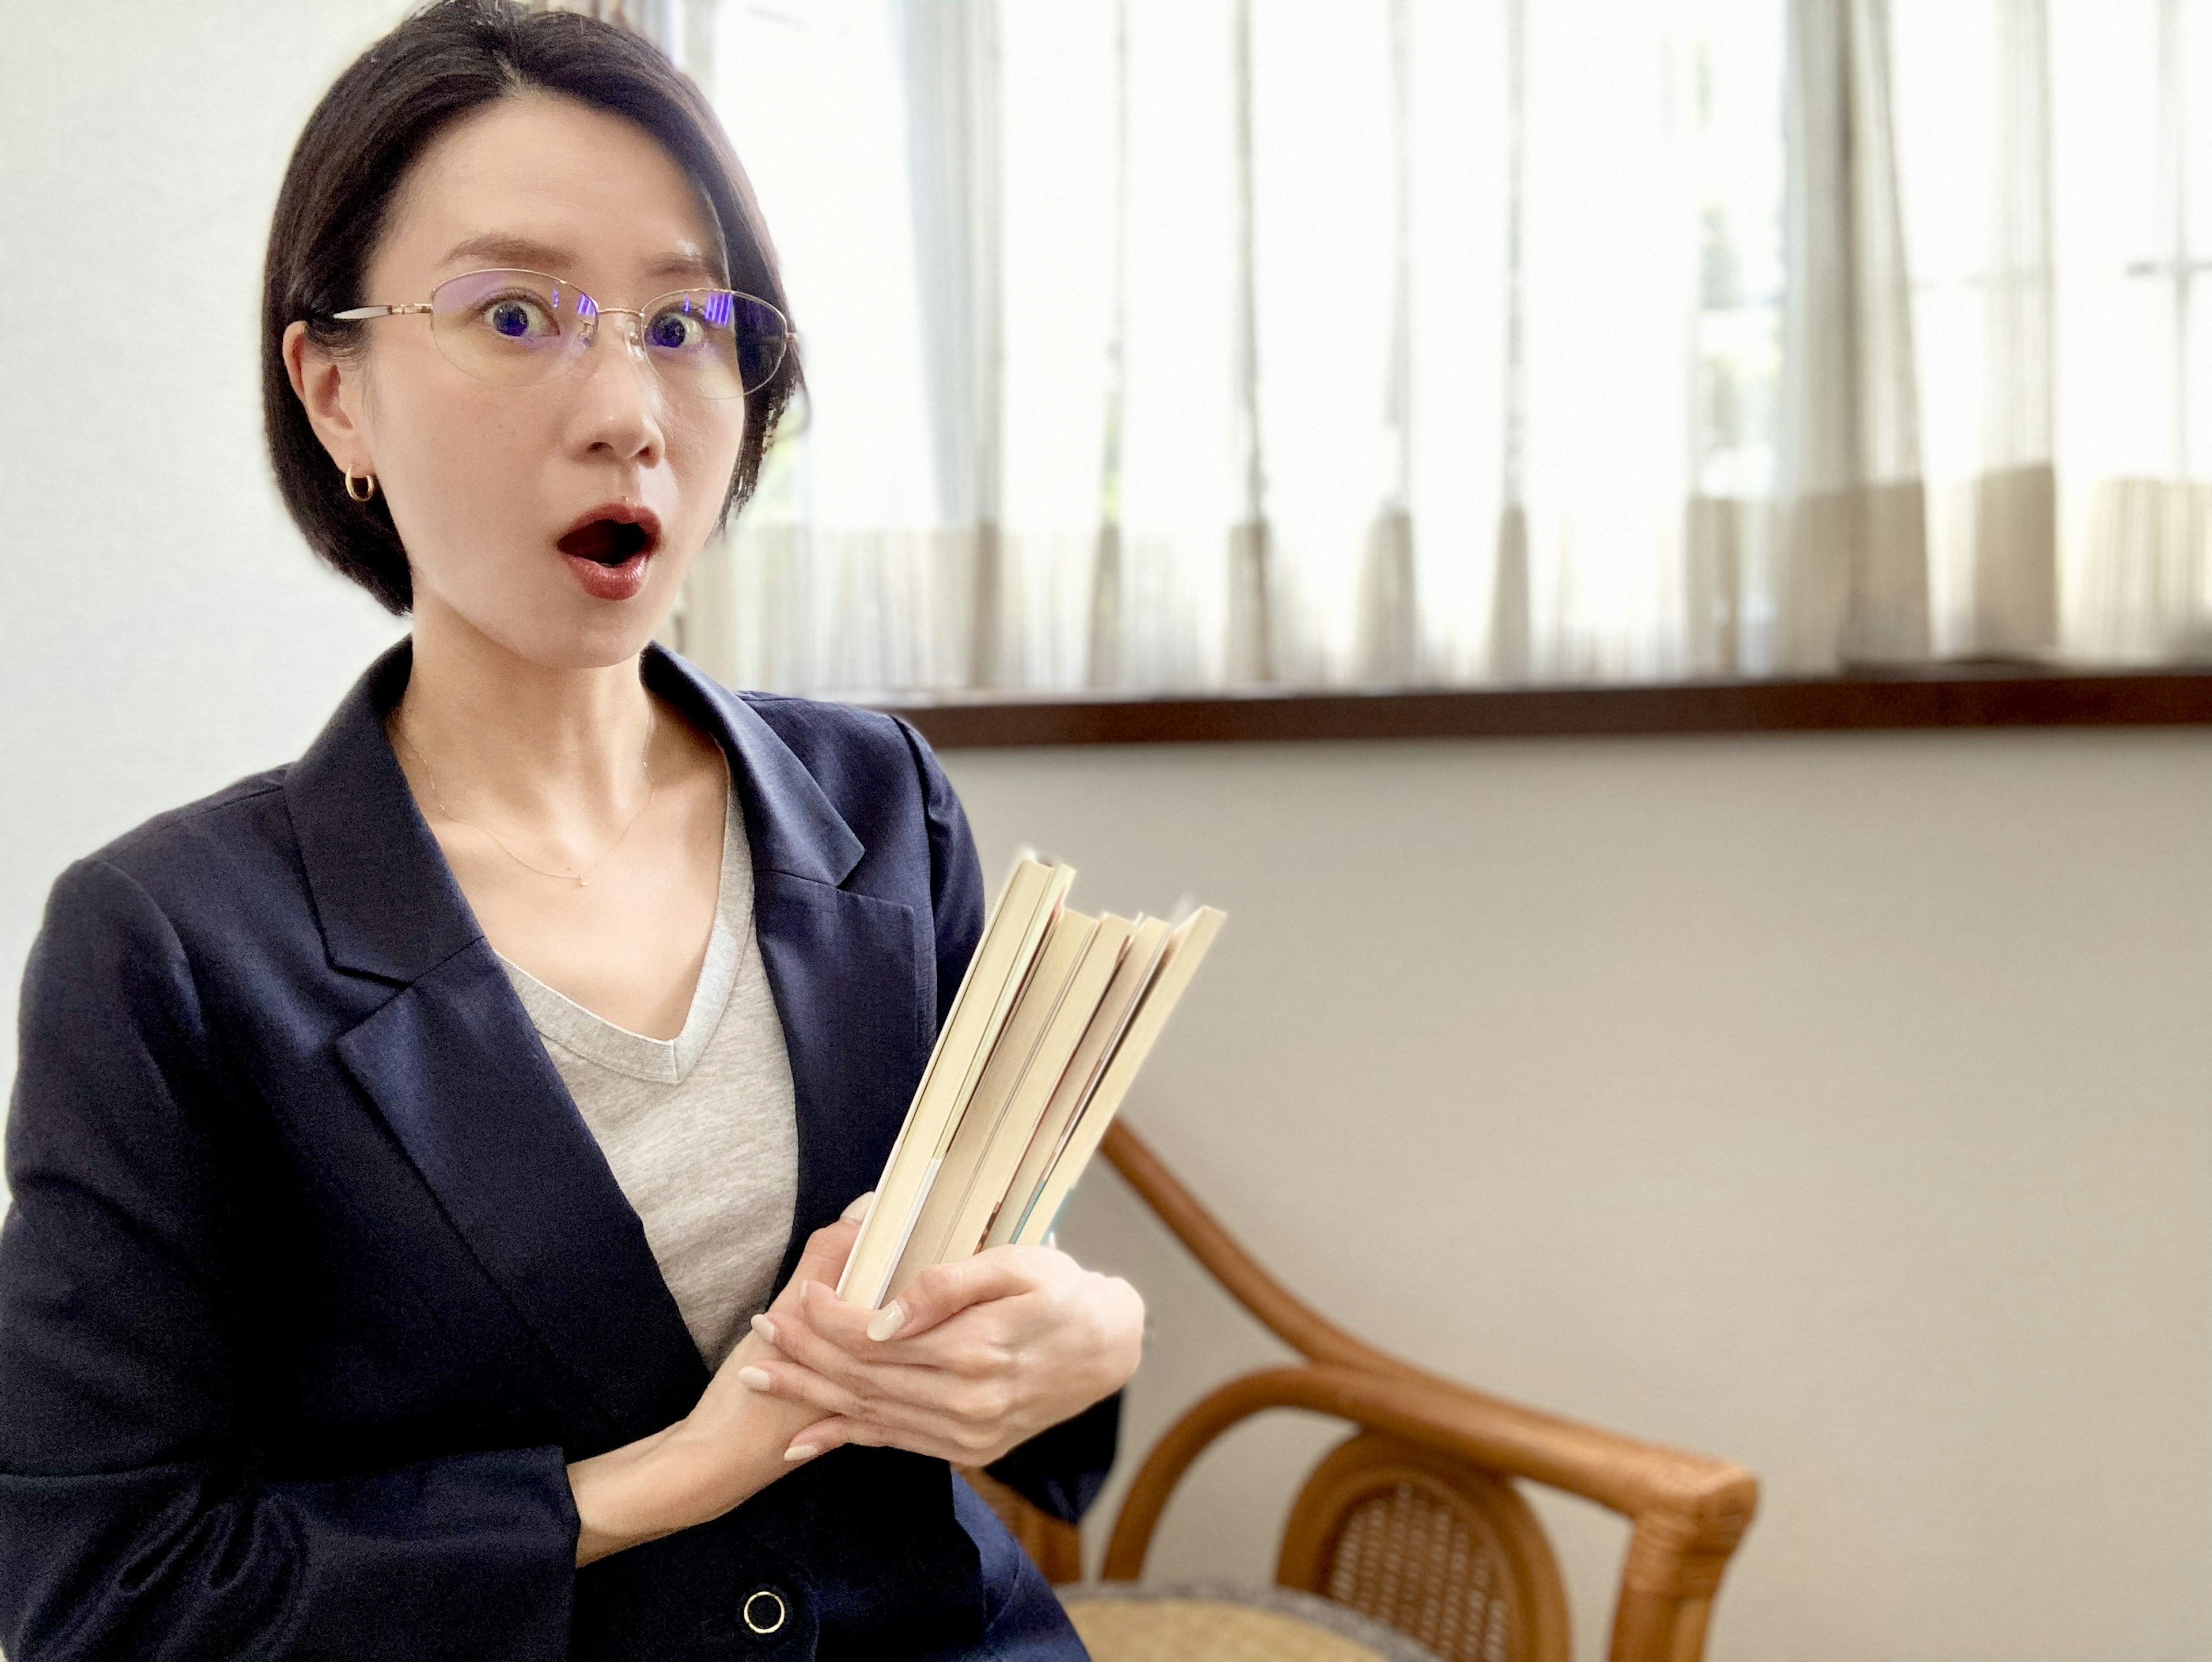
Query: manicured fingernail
x: 756, y: 1378
x: 887, y: 1321
x: 765, y: 1328
x: 801, y: 1451
x: 858, y: 1208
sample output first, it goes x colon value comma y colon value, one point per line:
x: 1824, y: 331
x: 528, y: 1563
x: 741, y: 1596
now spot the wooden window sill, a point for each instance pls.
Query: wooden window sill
x: 1954, y: 696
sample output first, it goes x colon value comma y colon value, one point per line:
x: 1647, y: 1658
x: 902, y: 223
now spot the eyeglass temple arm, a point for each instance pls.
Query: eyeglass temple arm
x: 362, y: 313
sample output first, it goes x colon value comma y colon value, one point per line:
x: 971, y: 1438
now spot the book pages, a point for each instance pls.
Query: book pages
x: 1048, y: 1027
x: 1179, y: 960
x: 979, y: 1118
x: 1115, y: 1009
x: 1011, y: 937
x: 989, y: 1190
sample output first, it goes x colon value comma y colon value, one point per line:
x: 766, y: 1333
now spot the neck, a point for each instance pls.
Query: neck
x: 498, y: 732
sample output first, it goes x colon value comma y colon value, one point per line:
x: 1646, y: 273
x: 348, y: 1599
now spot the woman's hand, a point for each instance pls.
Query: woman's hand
x: 975, y: 1358
x: 729, y: 1446
x: 971, y: 1359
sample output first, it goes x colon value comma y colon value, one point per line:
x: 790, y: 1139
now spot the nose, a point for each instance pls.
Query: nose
x: 631, y: 327
x: 620, y: 413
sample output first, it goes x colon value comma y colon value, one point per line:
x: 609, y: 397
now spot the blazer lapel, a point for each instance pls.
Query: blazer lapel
x: 845, y: 966
x: 457, y: 1072
x: 460, y: 1076
x: 454, y: 1068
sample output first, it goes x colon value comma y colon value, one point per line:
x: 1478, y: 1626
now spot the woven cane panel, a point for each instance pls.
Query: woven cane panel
x: 1410, y: 1559
x: 1215, y: 1628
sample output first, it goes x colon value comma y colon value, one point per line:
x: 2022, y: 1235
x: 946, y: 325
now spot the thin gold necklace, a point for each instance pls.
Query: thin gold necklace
x: 583, y: 880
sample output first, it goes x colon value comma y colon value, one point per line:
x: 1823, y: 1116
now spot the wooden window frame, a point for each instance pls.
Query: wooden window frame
x: 2007, y: 696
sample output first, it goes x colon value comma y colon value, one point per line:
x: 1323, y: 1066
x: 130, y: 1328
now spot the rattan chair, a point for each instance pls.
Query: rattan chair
x: 1415, y: 1519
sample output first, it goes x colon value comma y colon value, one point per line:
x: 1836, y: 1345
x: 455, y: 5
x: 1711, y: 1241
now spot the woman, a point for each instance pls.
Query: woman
x: 405, y: 1142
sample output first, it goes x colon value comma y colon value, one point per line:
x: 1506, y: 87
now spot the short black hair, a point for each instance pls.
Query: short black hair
x: 443, y: 63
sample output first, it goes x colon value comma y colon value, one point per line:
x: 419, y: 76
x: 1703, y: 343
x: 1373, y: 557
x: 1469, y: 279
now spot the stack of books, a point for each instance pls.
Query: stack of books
x: 1056, y: 1013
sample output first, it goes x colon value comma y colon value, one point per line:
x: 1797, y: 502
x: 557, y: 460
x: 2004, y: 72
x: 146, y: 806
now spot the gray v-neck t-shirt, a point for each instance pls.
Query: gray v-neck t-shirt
x: 699, y: 1130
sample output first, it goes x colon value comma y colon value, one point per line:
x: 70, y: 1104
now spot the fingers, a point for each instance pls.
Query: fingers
x: 827, y: 1248
x: 874, y: 1379
x: 943, y: 1290
x: 985, y: 1353
x: 975, y: 1432
x: 818, y: 1439
x: 927, y: 1409
x: 791, y: 1383
x: 979, y: 1340
x: 845, y: 1325
x: 826, y: 1434
x: 885, y: 1417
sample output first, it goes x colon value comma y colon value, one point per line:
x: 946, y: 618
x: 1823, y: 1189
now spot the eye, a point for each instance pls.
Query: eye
x: 674, y: 330
x: 518, y: 317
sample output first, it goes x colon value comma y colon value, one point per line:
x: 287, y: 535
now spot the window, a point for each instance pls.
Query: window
x: 1163, y: 344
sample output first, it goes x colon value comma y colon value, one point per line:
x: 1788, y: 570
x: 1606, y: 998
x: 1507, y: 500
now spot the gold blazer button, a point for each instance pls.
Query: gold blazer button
x: 765, y: 1611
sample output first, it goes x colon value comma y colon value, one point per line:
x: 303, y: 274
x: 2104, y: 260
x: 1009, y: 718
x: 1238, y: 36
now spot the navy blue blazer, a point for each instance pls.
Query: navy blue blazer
x: 314, y: 1280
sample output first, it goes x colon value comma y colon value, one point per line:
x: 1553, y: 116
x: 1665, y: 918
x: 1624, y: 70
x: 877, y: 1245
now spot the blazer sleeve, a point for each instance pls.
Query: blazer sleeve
x: 131, y: 1521
x: 1061, y: 1469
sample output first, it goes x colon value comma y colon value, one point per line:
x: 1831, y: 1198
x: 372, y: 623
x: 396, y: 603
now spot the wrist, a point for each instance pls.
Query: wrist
x: 623, y: 1498
x: 727, y: 1449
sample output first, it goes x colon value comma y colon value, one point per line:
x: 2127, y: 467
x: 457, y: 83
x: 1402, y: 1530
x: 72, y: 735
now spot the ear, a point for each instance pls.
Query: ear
x: 329, y: 389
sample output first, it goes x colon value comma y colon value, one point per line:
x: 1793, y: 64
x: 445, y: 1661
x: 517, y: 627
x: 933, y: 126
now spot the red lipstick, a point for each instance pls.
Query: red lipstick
x: 609, y: 547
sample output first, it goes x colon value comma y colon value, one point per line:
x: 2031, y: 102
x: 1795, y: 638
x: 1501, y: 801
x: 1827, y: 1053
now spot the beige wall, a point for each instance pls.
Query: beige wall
x: 1843, y: 1106
x: 1840, y: 1106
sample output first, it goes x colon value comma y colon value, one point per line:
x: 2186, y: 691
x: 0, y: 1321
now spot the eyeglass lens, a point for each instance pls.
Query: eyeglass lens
x: 514, y: 328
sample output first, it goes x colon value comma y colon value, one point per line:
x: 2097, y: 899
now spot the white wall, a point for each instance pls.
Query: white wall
x: 1840, y: 1105
x: 162, y: 628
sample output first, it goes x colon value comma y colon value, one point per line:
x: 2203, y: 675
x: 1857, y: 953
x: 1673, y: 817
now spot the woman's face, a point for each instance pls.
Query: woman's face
x: 504, y: 495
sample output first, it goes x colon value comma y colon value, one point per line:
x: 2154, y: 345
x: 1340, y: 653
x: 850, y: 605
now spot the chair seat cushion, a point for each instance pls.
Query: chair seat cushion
x: 1124, y: 1622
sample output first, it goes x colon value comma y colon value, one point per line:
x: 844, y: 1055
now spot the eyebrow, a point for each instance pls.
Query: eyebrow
x: 522, y: 252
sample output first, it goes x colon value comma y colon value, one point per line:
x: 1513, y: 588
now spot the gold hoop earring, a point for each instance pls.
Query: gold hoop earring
x: 367, y: 486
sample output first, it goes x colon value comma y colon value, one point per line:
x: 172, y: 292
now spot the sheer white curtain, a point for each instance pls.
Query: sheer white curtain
x: 2131, y: 191
x: 1173, y: 344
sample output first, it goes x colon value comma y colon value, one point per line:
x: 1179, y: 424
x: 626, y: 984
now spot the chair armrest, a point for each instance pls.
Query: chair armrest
x: 1689, y: 1510
x: 1285, y: 1315
x: 1687, y: 1507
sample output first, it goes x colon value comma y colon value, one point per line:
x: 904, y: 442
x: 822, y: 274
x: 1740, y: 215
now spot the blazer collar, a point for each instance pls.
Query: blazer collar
x: 790, y: 823
x: 386, y: 899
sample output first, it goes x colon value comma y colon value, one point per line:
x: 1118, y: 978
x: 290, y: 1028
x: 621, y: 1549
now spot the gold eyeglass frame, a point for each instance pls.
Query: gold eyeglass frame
x: 589, y: 323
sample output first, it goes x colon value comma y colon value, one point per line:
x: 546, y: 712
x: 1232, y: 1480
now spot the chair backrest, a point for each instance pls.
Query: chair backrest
x: 1446, y: 1553
x: 1416, y: 1521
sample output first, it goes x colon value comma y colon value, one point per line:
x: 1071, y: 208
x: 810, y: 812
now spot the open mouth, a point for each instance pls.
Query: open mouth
x: 608, y: 541
x: 609, y: 549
